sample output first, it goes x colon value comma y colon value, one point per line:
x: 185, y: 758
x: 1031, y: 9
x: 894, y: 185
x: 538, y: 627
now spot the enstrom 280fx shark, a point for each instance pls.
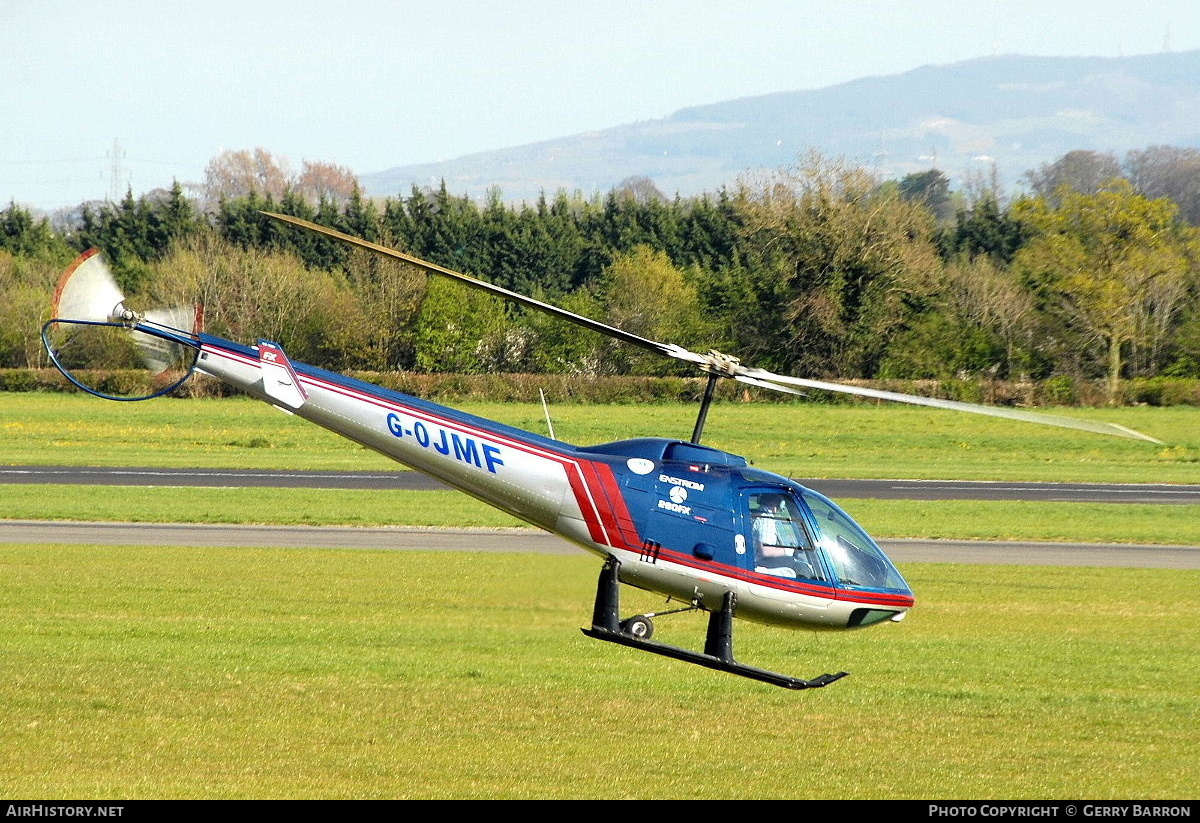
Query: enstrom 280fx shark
x: 691, y: 522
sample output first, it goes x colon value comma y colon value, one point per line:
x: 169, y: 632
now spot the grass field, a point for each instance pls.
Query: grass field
x: 803, y: 440
x: 174, y: 672
x: 798, y: 439
x: 169, y: 672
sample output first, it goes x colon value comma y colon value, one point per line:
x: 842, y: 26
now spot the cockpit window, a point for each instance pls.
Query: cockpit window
x: 857, y: 561
x: 781, y: 543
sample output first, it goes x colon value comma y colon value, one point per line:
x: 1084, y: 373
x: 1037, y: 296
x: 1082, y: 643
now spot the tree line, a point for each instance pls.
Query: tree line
x: 821, y: 270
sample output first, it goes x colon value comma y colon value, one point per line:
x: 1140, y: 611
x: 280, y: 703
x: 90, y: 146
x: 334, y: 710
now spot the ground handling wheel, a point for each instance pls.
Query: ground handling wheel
x: 638, y: 626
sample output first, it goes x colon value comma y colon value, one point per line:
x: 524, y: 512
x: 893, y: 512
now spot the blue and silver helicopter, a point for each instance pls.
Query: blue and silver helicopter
x: 671, y: 516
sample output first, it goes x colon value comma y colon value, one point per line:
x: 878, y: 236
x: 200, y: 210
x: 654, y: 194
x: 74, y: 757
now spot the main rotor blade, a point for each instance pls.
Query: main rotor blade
x: 667, y: 349
x: 762, y: 384
x: 766, y: 378
x: 715, y: 362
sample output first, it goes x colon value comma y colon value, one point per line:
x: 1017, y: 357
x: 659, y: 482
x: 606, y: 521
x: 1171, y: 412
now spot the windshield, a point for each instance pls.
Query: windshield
x: 857, y: 560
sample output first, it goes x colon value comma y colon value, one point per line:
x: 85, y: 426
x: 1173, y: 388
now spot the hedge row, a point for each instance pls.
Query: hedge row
x: 1057, y: 391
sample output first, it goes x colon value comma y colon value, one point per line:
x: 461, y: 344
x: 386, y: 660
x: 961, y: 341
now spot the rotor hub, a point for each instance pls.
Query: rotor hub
x: 122, y: 314
x: 721, y: 364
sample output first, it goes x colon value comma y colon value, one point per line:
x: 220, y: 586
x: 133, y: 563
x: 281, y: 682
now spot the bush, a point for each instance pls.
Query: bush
x: 1164, y: 391
x: 19, y: 380
x: 1059, y: 391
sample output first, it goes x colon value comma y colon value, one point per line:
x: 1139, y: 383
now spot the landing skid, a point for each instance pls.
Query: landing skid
x: 718, y: 644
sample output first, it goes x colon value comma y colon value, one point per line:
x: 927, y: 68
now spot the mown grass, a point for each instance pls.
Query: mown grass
x: 172, y: 672
x: 800, y: 439
x: 316, y: 507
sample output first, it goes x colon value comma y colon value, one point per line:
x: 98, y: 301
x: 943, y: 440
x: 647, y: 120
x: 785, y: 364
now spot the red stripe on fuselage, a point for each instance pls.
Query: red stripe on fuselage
x: 593, y: 514
x: 593, y: 487
x: 617, y: 512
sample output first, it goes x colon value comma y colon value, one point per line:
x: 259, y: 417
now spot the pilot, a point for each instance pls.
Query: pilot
x: 779, y: 540
x: 773, y: 554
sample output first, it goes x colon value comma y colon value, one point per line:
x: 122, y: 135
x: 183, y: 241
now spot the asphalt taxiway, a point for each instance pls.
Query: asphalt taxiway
x: 530, y: 540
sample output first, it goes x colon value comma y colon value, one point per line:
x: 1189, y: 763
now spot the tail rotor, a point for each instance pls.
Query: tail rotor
x: 108, y: 349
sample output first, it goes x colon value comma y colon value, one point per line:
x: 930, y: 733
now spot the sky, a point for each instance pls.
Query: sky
x: 100, y: 96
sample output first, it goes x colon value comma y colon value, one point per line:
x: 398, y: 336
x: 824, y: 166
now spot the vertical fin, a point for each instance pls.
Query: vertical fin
x: 279, y: 379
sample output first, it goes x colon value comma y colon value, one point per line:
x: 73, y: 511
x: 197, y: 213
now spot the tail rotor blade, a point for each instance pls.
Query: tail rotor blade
x: 87, y: 291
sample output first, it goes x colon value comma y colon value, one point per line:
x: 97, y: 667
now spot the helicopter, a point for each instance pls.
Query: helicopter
x: 676, y: 517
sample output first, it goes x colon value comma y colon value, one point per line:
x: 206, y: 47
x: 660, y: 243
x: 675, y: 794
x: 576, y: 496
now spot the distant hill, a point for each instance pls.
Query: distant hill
x: 1011, y: 111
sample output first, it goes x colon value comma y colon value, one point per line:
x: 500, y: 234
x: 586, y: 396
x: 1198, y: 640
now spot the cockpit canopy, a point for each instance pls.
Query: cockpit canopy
x: 803, y: 534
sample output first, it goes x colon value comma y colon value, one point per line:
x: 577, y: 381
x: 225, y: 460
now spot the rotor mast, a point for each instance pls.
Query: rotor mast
x: 710, y: 388
x: 715, y: 365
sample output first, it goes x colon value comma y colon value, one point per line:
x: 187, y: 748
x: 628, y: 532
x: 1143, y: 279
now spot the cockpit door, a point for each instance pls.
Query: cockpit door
x: 692, y: 514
